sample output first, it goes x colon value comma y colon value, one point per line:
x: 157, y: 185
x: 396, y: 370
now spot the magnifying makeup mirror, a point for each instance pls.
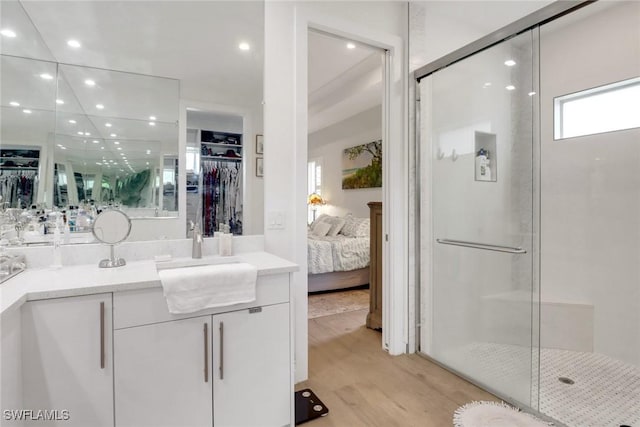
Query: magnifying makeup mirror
x: 112, y: 227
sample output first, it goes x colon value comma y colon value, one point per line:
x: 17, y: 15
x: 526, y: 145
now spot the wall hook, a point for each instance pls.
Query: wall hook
x: 454, y: 155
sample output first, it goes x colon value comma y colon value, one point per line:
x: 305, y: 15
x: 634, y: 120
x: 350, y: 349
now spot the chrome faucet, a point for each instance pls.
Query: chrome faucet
x: 196, y: 247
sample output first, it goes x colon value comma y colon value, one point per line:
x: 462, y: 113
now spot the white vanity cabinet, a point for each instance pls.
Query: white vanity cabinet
x: 163, y: 375
x: 223, y: 367
x: 67, y: 360
x: 251, y: 359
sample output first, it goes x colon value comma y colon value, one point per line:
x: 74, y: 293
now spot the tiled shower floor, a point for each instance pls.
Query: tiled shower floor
x: 605, y: 392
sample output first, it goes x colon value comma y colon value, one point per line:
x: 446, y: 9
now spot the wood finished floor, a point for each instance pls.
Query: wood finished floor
x: 364, y: 386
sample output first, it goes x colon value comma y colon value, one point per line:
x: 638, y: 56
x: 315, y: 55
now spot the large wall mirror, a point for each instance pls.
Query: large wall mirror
x: 88, y: 126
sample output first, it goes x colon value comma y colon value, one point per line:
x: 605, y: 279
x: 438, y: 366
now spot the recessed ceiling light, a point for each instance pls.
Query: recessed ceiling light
x: 148, y: 151
x: 63, y: 148
x: 90, y: 82
x: 152, y: 118
x: 87, y: 134
x: 73, y: 122
x: 26, y: 111
x: 73, y: 43
x: 100, y: 106
x: 147, y: 162
x: 509, y: 62
x: 59, y: 101
x: 8, y: 33
x: 351, y: 46
x: 113, y: 135
x: 119, y: 148
x: 46, y: 76
x: 95, y: 141
x: 102, y: 148
x: 486, y: 85
x: 244, y: 46
x: 98, y: 163
x: 510, y: 87
x: 152, y: 123
x: 80, y: 133
x: 531, y: 93
x: 116, y: 142
x: 14, y: 104
x: 108, y: 125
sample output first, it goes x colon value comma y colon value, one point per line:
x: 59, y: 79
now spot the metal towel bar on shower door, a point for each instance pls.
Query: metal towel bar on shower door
x: 497, y: 248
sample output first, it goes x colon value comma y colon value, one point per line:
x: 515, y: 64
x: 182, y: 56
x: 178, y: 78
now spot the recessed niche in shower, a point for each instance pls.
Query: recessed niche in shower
x: 486, y: 157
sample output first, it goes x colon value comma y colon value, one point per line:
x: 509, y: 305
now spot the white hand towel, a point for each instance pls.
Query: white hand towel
x: 192, y: 289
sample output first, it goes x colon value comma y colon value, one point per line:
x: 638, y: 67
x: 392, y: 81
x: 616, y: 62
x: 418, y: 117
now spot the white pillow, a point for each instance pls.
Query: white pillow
x: 317, y: 220
x: 321, y: 229
x: 363, y: 228
x: 349, y: 228
x: 336, y: 225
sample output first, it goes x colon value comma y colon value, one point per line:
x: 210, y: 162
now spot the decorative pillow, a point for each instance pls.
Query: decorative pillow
x: 336, y: 225
x: 363, y: 227
x: 321, y: 229
x: 317, y: 220
x: 350, y: 224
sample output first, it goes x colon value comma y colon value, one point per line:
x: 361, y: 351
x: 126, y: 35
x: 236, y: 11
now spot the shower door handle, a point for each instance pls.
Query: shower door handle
x: 485, y: 246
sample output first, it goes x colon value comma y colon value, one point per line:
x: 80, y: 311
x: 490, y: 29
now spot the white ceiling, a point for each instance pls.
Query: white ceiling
x: 342, y: 82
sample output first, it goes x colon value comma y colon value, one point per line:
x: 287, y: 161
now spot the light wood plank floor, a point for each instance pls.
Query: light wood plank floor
x: 364, y: 386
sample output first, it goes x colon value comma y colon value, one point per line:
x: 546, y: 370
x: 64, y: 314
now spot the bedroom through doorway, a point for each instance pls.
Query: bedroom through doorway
x: 345, y: 116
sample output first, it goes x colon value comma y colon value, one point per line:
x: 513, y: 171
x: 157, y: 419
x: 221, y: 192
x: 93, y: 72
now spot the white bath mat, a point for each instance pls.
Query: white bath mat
x: 494, y: 414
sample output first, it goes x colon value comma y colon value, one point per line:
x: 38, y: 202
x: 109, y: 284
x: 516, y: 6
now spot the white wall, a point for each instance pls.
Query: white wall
x: 590, y: 207
x: 328, y: 145
x: 286, y: 24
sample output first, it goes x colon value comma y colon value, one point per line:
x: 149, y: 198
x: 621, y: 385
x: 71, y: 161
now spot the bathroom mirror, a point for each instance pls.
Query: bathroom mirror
x: 114, y: 139
x: 111, y: 227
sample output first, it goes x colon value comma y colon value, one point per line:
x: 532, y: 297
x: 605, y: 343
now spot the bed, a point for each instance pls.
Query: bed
x: 338, y: 259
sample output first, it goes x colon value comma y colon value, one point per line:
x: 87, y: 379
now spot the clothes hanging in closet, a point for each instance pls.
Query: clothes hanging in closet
x: 221, y: 196
x: 18, y: 188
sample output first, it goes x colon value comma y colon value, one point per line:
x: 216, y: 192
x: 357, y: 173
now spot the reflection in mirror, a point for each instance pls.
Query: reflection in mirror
x: 77, y: 138
x: 113, y: 132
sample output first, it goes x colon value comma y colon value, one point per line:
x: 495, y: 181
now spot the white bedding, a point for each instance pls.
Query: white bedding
x: 336, y: 253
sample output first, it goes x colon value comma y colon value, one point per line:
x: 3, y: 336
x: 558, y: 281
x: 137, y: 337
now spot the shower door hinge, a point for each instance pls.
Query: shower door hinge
x: 386, y: 237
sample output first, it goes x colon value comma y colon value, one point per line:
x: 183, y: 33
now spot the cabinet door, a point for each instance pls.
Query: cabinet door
x: 252, y: 376
x: 163, y: 374
x: 67, y: 360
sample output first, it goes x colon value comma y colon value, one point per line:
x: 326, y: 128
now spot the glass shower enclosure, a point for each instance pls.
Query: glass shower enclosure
x: 478, y: 116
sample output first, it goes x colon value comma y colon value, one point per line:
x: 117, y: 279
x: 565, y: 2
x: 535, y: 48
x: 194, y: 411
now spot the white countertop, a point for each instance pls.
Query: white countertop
x: 43, y: 283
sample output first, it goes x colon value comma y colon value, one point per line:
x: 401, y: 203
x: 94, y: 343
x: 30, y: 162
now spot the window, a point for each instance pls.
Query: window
x: 314, y: 184
x: 605, y: 108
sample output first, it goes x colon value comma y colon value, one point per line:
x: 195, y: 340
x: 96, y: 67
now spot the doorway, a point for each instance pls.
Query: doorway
x: 345, y: 95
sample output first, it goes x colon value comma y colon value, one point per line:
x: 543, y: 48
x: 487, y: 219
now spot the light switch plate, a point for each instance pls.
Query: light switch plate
x: 276, y: 220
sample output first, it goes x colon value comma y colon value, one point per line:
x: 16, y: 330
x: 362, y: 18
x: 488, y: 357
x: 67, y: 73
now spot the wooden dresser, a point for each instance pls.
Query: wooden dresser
x: 374, y: 318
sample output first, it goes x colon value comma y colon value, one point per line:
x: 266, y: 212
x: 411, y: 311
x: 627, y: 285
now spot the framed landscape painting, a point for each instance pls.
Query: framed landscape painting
x: 362, y: 166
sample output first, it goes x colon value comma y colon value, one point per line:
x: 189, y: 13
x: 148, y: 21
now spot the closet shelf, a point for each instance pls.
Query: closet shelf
x: 18, y: 158
x: 235, y: 159
x: 221, y: 144
x: 18, y: 168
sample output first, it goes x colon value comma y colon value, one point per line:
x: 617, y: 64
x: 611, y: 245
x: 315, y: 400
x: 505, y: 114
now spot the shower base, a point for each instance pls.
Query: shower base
x: 605, y: 392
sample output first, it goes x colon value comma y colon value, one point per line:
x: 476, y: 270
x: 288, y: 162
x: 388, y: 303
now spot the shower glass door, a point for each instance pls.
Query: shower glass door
x: 477, y: 157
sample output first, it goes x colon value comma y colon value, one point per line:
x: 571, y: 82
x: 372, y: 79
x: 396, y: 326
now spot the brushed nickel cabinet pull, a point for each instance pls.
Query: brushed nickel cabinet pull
x: 221, y: 350
x: 206, y: 353
x: 102, y: 335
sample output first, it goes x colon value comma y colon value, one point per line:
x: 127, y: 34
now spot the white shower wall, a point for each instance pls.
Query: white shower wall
x: 590, y: 199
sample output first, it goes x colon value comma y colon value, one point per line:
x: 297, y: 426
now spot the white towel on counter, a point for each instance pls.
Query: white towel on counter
x: 196, y: 288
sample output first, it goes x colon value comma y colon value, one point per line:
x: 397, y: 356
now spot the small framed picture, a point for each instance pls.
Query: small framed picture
x: 259, y: 166
x: 259, y: 144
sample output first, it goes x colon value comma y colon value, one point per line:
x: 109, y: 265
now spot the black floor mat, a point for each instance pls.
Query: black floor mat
x: 308, y: 406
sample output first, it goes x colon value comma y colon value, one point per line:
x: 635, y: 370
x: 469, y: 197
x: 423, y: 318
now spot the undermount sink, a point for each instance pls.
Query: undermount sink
x: 190, y: 262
